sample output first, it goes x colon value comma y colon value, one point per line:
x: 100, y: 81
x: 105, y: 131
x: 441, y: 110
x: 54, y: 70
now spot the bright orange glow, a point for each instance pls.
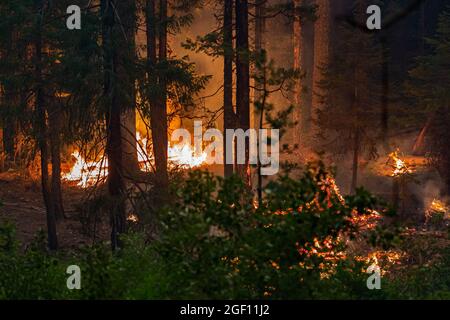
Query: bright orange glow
x: 88, y: 173
x: 400, y: 167
x: 438, y: 206
x: 133, y: 218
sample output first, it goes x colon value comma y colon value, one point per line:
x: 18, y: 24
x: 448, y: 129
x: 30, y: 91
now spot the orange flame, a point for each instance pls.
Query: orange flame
x: 88, y: 173
x: 400, y: 166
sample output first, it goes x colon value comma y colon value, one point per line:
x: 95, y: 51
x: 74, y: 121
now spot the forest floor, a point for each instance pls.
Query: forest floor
x: 21, y: 204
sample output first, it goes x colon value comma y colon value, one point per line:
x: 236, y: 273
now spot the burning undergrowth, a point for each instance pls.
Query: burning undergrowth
x: 87, y: 173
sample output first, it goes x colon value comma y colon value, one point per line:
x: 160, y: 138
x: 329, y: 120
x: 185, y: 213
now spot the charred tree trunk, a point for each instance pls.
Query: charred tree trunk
x: 229, y: 114
x: 55, y: 150
x: 243, y: 79
x: 43, y: 134
x: 112, y: 55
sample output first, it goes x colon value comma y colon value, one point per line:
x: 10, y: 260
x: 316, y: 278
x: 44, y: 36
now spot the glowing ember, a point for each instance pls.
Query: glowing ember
x: 438, y: 206
x: 400, y: 167
x: 133, y: 218
x: 88, y: 173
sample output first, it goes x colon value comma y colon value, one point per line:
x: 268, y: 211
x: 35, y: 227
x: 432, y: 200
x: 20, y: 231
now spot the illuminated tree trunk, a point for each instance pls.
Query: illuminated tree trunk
x: 321, y: 52
x: 303, y: 61
x: 128, y: 117
x: 229, y: 114
x: 243, y: 79
x: 130, y: 150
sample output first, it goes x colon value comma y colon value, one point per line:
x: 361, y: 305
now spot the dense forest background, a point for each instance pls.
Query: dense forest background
x: 90, y: 176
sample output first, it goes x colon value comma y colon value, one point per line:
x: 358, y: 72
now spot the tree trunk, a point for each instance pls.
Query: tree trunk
x: 9, y: 134
x: 229, y: 114
x: 158, y: 108
x: 43, y: 135
x: 303, y: 61
x: 357, y: 65
x: 385, y: 92
x: 129, y: 144
x: 9, y: 101
x: 321, y: 52
x: 297, y: 41
x: 55, y: 150
x: 128, y: 116
x: 113, y: 53
x: 260, y: 93
x: 355, y: 163
x: 243, y: 79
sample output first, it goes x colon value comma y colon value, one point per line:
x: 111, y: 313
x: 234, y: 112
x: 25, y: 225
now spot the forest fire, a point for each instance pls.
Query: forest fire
x: 261, y: 150
x: 400, y: 167
x: 88, y: 173
x: 438, y: 207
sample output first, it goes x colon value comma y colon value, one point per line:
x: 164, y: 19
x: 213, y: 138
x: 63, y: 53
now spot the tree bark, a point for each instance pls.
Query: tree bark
x: 128, y: 116
x: 9, y: 101
x: 303, y: 61
x: 243, y: 79
x: 229, y: 114
x: 113, y: 53
x: 355, y: 162
x: 130, y: 150
x: 321, y: 52
x: 260, y: 92
x: 158, y: 108
x: 43, y: 134
x: 55, y: 150
x: 9, y: 134
x: 297, y: 42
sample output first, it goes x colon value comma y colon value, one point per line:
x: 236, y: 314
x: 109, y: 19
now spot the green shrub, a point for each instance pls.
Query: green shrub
x: 34, y: 274
x: 216, y: 244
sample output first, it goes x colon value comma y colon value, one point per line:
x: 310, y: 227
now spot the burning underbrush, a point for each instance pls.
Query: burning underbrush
x: 87, y: 173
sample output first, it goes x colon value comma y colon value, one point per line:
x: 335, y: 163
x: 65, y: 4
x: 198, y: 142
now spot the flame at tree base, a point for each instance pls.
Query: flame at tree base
x: 88, y: 173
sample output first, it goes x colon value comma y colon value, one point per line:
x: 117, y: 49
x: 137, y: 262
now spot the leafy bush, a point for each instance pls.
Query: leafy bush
x: 216, y: 244
x: 34, y: 274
